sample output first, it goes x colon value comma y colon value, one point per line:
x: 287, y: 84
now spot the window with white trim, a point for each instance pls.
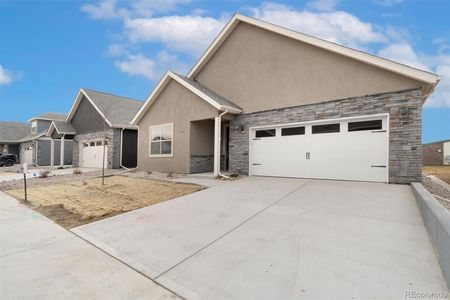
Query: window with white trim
x: 161, y: 138
x: 33, y: 127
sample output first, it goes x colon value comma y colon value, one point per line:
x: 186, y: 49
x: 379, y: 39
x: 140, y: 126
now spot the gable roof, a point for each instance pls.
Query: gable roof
x: 13, y: 131
x: 49, y: 116
x: 61, y: 127
x: 401, y: 69
x: 117, y: 111
x: 214, y: 99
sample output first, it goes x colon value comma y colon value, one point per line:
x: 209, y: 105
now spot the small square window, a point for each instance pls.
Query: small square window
x: 292, y: 131
x: 92, y: 144
x: 326, y: 128
x: 265, y: 133
x: 86, y: 144
x: 98, y: 143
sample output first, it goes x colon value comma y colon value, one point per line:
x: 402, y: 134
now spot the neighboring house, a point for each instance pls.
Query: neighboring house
x: 100, y: 122
x: 265, y: 100
x: 32, y: 145
x: 436, y: 153
x: 11, y: 133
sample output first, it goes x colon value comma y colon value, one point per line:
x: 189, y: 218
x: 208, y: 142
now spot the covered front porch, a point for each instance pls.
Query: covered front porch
x: 209, y: 145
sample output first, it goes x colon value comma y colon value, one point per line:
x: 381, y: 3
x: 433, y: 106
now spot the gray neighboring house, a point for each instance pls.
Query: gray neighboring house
x: 100, y: 122
x: 11, y: 133
x: 268, y: 101
x: 31, y: 143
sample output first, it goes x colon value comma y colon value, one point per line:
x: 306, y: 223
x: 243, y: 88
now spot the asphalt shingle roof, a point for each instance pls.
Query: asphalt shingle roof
x: 216, y: 97
x: 13, y: 131
x: 64, y: 127
x: 52, y: 116
x: 118, y: 110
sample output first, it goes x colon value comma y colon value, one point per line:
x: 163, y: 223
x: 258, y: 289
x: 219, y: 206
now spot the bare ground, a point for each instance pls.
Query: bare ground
x: 74, y: 203
x: 437, y: 189
x: 441, y: 172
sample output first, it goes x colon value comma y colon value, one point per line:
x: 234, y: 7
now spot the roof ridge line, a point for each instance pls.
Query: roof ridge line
x: 106, y: 93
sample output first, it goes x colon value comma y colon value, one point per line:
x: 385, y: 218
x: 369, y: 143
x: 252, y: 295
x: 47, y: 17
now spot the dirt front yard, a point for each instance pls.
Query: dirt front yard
x: 442, y: 172
x: 72, y: 204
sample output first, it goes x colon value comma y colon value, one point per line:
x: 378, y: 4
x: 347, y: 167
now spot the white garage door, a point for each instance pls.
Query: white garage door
x: 92, y: 154
x: 343, y: 149
x: 28, y: 155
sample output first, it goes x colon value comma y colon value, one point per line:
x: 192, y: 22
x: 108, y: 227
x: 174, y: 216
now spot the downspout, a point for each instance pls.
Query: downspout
x: 219, y: 138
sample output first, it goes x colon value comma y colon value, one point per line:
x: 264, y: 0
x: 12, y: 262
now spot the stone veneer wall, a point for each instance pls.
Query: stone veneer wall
x: 405, y: 128
x: 201, y: 163
x: 113, y: 150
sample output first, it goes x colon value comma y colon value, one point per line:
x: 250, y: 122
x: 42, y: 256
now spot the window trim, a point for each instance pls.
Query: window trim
x: 150, y: 140
x: 34, y: 126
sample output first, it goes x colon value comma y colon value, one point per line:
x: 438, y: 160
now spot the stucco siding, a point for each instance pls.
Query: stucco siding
x: 261, y: 70
x: 405, y: 128
x: 179, y: 106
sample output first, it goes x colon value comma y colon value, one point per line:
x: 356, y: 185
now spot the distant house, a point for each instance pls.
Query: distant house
x: 11, y: 134
x: 30, y: 143
x: 436, y: 153
x: 99, y: 119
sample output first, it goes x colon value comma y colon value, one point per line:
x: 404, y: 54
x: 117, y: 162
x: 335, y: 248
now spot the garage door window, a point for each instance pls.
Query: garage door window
x: 264, y: 133
x: 326, y: 128
x: 365, y: 125
x: 161, y: 138
x: 292, y: 131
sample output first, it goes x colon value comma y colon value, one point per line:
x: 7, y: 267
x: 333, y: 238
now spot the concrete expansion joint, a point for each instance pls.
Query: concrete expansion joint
x: 114, y: 255
x: 234, y: 228
x: 37, y: 247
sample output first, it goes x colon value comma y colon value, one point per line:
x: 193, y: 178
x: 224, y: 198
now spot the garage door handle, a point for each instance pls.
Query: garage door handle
x: 256, y: 164
x: 256, y: 139
x: 375, y: 166
x: 308, y: 155
x: 378, y: 131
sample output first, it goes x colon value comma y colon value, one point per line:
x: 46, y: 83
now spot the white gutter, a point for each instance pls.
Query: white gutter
x: 217, y: 140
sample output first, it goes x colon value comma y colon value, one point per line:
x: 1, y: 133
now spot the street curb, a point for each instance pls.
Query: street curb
x: 437, y: 221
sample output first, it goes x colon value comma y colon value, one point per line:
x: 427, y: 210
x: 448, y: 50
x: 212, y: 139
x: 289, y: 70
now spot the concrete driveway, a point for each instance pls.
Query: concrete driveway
x: 41, y: 260
x: 273, y: 238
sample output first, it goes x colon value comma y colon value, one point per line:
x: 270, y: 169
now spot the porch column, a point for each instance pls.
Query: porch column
x: 216, y: 145
x: 61, y: 156
x: 52, y: 152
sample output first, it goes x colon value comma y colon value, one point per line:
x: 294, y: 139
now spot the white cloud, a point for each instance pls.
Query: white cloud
x: 6, y: 76
x: 403, y: 53
x: 186, y: 34
x: 106, y: 9
x: 140, y: 65
x: 117, y: 50
x: 149, y: 7
x: 339, y: 27
x: 388, y: 2
x: 323, y: 5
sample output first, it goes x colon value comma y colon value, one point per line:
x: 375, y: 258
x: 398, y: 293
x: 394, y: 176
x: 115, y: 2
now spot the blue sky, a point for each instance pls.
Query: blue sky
x: 50, y: 49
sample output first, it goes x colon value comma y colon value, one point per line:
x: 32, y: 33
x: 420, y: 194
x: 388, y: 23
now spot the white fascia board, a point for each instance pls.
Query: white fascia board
x: 50, y: 129
x: 82, y: 93
x: 124, y: 126
x: 401, y: 69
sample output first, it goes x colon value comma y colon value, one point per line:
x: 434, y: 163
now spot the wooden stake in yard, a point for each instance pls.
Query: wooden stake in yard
x: 25, y: 168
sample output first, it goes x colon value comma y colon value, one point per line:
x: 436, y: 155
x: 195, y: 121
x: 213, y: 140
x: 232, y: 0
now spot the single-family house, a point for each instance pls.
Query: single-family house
x: 30, y: 143
x: 265, y: 100
x: 99, y: 124
x: 436, y: 153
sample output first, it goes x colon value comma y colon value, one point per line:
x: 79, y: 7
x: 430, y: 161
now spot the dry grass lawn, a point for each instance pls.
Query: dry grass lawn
x: 442, y: 172
x: 80, y: 202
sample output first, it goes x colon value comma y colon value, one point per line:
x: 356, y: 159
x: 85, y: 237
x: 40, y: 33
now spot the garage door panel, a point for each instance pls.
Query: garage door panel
x: 356, y: 155
x: 92, y: 154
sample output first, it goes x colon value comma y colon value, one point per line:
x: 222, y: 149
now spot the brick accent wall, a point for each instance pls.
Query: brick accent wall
x: 432, y: 155
x: 113, y: 152
x: 405, y: 128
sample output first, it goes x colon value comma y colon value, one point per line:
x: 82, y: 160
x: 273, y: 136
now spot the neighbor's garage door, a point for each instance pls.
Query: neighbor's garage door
x: 344, y: 149
x: 92, y: 154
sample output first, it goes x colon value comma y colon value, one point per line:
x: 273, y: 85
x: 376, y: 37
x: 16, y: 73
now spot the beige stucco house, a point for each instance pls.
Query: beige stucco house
x: 264, y: 100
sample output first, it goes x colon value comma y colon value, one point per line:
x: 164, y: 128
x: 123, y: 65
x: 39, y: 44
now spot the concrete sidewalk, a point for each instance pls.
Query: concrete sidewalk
x: 41, y: 260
